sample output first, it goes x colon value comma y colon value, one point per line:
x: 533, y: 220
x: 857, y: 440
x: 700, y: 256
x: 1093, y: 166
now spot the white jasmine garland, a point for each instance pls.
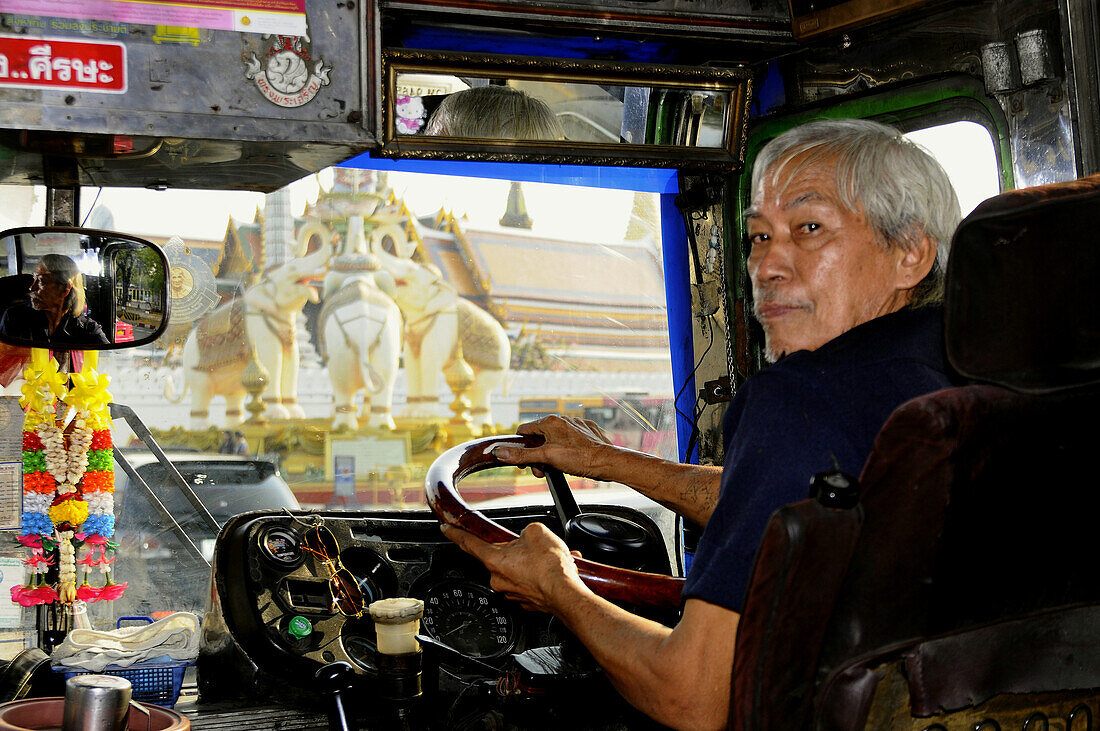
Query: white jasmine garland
x: 100, y: 503
x: 67, y: 558
x: 66, y: 465
x: 53, y: 449
x: 36, y: 502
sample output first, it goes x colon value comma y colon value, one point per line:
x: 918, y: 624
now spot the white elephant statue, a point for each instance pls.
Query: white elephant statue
x: 360, y: 335
x: 263, y: 321
x: 437, y: 324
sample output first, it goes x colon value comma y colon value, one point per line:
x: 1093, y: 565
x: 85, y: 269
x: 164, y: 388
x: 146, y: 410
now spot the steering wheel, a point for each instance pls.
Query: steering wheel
x: 610, y: 582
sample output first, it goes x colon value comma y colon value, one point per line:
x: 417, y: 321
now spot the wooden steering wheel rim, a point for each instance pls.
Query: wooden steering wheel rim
x: 454, y: 465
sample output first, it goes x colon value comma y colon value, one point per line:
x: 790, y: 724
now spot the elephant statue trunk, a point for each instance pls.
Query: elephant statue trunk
x: 360, y: 329
x: 438, y: 324
x: 265, y: 321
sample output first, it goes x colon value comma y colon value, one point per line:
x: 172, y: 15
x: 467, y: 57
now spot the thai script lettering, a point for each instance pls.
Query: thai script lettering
x: 56, y: 63
x: 25, y: 21
x: 290, y: 100
x: 86, y: 26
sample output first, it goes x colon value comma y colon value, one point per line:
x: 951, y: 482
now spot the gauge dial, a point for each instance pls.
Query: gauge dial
x: 470, y: 618
x: 280, y: 546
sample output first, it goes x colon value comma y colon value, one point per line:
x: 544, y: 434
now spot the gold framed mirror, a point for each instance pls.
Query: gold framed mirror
x: 446, y: 106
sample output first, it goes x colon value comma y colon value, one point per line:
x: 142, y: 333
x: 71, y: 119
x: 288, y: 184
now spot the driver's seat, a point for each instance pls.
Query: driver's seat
x: 964, y: 587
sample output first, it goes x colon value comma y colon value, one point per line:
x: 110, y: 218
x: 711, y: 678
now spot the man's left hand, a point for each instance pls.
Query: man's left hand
x: 537, y: 569
x: 680, y: 676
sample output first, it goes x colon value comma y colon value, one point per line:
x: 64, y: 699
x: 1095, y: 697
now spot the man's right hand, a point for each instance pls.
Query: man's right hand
x: 580, y: 447
x: 574, y: 446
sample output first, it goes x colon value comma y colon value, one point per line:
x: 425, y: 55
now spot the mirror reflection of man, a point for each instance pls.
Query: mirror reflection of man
x: 494, y: 112
x: 849, y: 228
x: 56, y: 311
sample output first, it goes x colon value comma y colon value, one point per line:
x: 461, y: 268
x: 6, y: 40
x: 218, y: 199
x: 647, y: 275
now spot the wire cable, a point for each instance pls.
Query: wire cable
x: 91, y: 207
x: 95, y: 200
x: 695, y: 409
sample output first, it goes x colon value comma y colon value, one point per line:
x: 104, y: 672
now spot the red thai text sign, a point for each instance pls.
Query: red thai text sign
x: 56, y: 63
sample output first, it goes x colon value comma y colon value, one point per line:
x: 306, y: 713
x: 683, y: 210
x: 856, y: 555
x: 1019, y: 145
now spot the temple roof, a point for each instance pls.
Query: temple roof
x: 600, y: 303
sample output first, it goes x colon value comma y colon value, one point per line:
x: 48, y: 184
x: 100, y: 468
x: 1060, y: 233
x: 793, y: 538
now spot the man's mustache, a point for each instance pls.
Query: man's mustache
x: 770, y: 298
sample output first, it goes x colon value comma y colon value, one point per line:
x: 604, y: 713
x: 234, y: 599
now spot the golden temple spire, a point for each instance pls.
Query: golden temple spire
x: 515, y: 216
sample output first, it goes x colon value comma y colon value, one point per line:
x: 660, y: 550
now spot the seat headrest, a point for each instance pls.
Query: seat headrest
x: 1022, y: 300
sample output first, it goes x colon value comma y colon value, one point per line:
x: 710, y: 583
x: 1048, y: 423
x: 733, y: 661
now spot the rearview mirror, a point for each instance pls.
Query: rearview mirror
x: 81, y: 289
x: 454, y: 106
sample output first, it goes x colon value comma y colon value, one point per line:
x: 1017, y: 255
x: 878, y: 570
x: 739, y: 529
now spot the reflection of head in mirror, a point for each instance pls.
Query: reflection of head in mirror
x: 56, y: 312
x: 58, y: 288
x: 498, y: 112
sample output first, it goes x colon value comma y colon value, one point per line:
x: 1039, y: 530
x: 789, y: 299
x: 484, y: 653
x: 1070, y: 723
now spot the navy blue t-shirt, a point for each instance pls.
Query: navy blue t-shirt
x: 811, y: 411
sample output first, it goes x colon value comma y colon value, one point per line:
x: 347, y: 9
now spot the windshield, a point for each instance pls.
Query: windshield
x: 327, y: 341
x: 165, y: 565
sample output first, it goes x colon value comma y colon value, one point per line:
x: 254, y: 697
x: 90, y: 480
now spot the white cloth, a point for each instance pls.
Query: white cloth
x: 176, y: 636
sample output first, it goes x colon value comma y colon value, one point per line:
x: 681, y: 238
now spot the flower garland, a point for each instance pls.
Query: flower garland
x: 68, y: 484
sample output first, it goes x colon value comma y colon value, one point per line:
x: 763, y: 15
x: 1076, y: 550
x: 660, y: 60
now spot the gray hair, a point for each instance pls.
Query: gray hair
x: 64, y: 271
x: 498, y: 112
x: 894, y: 182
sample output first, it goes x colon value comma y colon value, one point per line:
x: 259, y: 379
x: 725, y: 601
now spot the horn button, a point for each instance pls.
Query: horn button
x: 609, y: 539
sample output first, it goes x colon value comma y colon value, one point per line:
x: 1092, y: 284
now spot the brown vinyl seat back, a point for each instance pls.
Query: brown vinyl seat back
x: 977, y: 502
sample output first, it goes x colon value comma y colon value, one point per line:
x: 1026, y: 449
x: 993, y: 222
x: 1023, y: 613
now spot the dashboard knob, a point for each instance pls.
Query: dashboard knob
x: 299, y: 627
x: 336, y: 678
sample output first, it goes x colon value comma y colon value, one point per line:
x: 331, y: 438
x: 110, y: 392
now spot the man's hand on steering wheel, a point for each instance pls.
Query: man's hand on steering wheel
x: 614, y: 583
x: 534, y: 570
x: 574, y: 446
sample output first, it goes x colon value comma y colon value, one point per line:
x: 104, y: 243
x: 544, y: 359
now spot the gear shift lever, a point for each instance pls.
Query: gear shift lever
x: 336, y: 677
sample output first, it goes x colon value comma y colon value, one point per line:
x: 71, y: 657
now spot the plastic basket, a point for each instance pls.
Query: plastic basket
x: 158, y: 683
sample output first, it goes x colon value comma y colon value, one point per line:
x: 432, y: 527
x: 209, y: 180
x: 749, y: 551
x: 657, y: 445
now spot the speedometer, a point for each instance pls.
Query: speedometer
x: 470, y: 618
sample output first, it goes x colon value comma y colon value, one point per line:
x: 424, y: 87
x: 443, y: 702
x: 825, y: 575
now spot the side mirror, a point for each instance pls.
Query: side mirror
x: 81, y: 289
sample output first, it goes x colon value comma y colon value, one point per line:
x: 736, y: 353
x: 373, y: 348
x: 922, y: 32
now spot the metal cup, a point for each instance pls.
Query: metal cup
x: 96, y: 703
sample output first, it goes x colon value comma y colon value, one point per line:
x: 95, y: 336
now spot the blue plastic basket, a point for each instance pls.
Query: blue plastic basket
x: 153, y: 682
x: 158, y: 683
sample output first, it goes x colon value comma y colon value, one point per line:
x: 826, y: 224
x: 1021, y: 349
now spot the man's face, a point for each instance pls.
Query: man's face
x: 816, y: 268
x: 46, y: 293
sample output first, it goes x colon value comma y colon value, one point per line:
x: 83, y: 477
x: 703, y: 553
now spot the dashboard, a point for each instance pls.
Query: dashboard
x: 276, y: 621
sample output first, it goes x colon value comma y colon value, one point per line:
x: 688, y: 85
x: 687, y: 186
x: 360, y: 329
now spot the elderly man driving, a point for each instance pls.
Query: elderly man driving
x: 849, y: 228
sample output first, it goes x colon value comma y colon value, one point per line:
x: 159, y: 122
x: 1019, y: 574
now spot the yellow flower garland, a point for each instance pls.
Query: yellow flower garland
x: 44, y: 382
x: 73, y: 512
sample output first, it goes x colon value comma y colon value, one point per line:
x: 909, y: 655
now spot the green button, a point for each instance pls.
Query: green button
x: 299, y: 627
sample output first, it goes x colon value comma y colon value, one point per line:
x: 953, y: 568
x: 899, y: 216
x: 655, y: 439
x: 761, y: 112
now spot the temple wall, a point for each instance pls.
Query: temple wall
x: 142, y: 387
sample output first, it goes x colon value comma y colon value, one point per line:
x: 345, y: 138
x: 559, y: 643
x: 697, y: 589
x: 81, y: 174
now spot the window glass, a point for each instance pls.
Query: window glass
x: 965, y: 150
x: 167, y: 567
x: 391, y: 316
